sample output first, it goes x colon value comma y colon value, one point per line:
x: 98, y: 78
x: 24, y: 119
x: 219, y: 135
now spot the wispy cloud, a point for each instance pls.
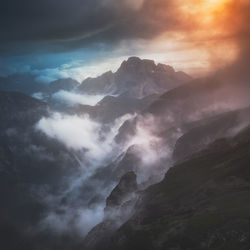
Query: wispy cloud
x: 82, y: 133
x: 94, y: 146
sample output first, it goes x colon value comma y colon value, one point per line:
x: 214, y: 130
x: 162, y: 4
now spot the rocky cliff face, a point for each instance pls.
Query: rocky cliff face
x: 122, y: 192
x: 135, y: 78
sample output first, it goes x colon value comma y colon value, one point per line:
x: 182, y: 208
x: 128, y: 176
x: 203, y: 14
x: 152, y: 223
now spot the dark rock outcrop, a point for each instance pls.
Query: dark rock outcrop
x: 119, y: 207
x: 122, y: 192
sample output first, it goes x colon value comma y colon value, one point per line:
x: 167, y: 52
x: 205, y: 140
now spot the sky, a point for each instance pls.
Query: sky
x: 82, y: 38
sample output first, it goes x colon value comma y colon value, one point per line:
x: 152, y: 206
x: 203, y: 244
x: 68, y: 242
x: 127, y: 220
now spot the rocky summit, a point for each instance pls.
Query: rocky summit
x: 135, y: 78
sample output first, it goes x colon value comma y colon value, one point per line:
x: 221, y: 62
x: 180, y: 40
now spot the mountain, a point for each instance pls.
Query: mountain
x: 66, y: 84
x: 34, y: 157
x: 19, y: 110
x: 27, y: 84
x: 202, y: 203
x: 24, y: 83
x: 117, y: 211
x: 112, y: 107
x: 135, y: 78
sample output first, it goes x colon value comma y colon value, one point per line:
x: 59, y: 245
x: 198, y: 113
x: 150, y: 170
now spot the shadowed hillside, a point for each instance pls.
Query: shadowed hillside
x: 202, y: 203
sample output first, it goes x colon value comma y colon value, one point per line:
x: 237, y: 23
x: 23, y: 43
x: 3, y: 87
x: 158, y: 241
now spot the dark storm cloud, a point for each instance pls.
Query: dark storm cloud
x: 77, y: 23
x: 42, y: 20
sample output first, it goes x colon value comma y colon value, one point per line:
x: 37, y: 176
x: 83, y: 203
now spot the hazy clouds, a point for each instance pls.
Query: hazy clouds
x: 71, y: 98
x: 82, y: 133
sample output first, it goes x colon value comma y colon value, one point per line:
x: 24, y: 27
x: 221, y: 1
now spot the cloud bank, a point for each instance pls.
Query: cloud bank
x: 71, y: 98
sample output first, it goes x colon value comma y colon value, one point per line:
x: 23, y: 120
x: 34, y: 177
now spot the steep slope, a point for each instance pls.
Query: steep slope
x: 200, y: 96
x: 201, y: 204
x: 206, y: 131
x: 135, y: 78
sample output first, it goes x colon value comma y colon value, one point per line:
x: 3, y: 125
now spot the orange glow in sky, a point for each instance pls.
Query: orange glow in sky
x: 208, y: 27
x: 203, y: 37
x: 205, y: 12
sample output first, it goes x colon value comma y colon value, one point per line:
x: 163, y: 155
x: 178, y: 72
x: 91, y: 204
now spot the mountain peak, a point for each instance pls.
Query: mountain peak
x: 135, y: 65
x: 133, y: 59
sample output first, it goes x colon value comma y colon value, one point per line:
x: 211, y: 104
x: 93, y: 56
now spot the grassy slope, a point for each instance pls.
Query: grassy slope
x: 203, y: 203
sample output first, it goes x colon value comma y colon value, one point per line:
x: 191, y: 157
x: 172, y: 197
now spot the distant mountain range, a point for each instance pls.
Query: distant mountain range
x: 27, y: 84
